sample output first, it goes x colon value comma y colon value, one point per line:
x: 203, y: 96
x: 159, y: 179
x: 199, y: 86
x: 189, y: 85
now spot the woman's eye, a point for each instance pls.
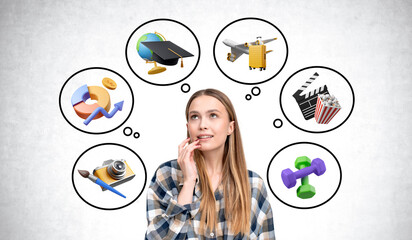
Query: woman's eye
x: 194, y: 117
x: 213, y: 115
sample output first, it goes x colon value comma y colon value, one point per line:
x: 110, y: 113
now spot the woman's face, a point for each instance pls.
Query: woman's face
x: 209, y: 122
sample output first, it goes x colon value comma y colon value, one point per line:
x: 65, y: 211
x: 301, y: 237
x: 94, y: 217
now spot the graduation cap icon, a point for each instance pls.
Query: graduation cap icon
x: 166, y: 53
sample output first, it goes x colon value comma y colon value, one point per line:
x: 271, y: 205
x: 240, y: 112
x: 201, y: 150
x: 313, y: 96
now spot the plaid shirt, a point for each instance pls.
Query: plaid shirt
x: 169, y: 220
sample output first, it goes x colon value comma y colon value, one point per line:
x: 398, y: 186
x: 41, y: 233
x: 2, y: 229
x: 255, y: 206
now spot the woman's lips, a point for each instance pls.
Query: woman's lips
x: 203, y: 138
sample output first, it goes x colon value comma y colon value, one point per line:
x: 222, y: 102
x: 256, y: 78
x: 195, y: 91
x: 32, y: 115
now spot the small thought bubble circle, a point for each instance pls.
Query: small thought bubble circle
x: 185, y: 88
x: 278, y: 123
x: 255, y: 91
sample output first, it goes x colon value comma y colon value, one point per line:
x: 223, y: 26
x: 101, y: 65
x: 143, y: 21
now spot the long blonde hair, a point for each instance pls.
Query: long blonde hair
x: 235, y: 178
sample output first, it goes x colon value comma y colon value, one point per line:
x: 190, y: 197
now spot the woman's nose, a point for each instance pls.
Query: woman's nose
x: 203, y: 124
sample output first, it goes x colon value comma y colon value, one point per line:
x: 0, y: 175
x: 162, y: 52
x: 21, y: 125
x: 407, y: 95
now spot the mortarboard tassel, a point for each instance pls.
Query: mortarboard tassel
x: 181, y: 58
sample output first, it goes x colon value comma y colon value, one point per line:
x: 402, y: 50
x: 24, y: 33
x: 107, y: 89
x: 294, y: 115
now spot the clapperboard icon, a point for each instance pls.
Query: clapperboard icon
x: 307, y: 101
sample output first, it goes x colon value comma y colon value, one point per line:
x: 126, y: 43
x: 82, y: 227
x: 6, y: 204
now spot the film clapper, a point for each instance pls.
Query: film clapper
x: 307, y: 101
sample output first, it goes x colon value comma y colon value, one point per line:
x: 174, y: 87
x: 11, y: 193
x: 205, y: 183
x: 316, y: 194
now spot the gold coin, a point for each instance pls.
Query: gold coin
x: 109, y: 83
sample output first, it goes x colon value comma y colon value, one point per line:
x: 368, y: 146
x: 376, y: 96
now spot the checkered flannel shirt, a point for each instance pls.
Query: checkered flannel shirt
x: 169, y: 220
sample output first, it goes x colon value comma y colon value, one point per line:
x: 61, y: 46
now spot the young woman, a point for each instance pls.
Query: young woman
x: 208, y: 193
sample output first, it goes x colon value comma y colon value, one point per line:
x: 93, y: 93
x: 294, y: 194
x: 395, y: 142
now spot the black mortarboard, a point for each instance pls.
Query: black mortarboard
x: 166, y: 52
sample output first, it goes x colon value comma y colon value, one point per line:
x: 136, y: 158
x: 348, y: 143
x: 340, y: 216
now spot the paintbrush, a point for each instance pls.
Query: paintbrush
x: 86, y: 174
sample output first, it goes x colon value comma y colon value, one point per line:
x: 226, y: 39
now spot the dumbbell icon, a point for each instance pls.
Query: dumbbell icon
x: 306, y: 167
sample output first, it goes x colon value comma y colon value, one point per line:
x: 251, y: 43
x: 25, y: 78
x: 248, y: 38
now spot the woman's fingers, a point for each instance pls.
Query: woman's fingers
x: 182, y: 145
x: 191, y: 147
x: 188, y: 147
x: 187, y: 152
x: 185, y: 159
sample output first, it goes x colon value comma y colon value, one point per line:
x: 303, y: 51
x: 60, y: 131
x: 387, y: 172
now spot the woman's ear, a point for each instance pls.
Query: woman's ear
x: 231, y: 128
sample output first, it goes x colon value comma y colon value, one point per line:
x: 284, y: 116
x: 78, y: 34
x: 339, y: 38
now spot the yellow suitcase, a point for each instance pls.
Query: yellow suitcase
x: 257, y: 57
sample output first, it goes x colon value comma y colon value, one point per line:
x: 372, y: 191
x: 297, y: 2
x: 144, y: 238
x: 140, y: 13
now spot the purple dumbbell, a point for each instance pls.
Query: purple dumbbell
x: 289, y: 178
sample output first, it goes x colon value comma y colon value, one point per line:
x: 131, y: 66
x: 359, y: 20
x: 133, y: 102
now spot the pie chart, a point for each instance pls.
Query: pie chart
x: 83, y: 93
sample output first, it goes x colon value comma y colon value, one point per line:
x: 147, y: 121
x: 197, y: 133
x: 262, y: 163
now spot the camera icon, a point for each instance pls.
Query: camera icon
x: 114, y: 172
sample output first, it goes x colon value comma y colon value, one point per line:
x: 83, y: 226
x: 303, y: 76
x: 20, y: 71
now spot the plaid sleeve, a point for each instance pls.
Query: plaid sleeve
x: 165, y: 216
x: 262, y: 219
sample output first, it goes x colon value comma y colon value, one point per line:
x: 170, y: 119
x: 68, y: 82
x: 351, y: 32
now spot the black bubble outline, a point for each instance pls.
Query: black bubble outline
x: 308, y: 131
x: 138, y: 135
x: 124, y: 131
x: 251, y: 91
x: 115, y: 144
x: 296, y: 143
x: 188, y: 86
x: 251, y: 18
x: 95, y: 68
x: 162, y: 19
x: 248, y: 97
x: 281, y: 123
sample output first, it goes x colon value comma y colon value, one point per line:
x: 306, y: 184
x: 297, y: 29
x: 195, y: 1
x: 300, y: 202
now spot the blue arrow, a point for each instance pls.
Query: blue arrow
x: 117, y: 107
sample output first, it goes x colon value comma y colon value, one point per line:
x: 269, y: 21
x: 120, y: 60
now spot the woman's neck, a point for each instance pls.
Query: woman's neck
x: 214, y: 162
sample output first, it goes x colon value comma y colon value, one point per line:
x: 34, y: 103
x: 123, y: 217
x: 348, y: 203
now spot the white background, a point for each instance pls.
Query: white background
x: 43, y: 43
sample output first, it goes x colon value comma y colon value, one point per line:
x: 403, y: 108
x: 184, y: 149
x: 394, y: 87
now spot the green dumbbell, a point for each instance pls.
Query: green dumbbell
x: 305, y: 190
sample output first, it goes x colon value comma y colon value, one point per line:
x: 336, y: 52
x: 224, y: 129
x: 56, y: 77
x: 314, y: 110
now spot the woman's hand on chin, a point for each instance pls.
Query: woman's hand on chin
x: 186, y: 161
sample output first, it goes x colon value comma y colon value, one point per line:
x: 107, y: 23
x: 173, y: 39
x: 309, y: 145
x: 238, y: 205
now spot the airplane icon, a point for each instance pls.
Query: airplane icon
x: 256, y: 51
